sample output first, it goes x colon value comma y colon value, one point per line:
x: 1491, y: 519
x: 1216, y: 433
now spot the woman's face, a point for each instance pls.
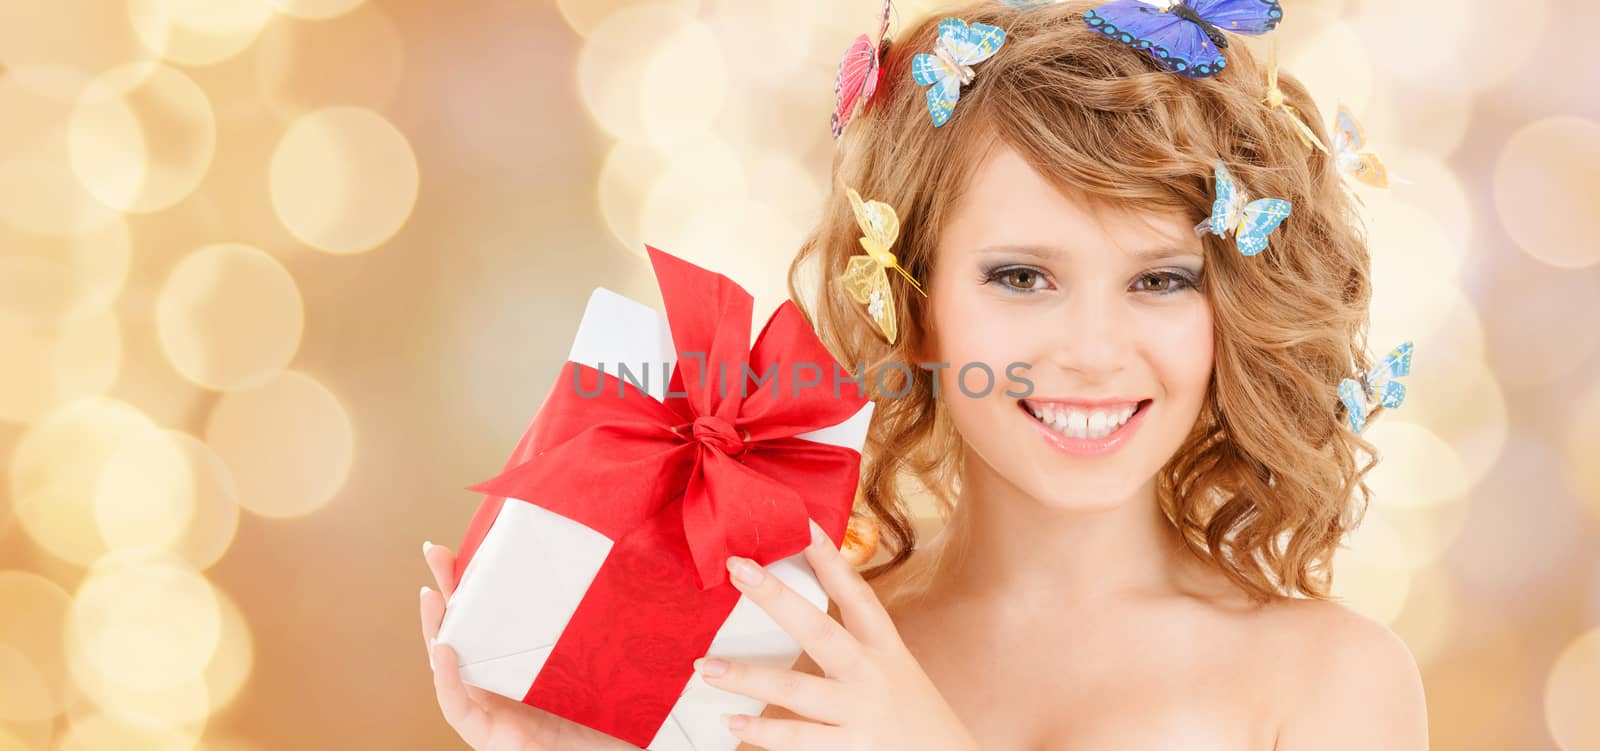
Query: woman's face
x: 1104, y: 309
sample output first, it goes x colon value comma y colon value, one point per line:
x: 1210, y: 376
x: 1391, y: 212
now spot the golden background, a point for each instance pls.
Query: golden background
x: 278, y: 279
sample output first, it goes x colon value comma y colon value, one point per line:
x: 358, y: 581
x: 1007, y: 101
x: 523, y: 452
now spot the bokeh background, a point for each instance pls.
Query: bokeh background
x: 279, y: 278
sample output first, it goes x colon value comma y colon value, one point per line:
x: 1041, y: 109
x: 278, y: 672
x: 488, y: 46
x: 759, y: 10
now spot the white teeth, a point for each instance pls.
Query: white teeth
x: 1079, y: 423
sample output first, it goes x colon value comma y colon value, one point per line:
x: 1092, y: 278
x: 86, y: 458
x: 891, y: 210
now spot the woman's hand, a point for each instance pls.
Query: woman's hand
x: 874, y: 695
x: 485, y: 720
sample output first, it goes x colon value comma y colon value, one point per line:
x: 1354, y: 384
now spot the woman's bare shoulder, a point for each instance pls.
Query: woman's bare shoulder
x: 1348, y: 680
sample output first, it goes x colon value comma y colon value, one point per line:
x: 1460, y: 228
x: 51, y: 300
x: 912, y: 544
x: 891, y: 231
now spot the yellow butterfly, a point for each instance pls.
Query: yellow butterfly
x: 1276, y: 101
x: 866, y: 277
x: 1348, y: 139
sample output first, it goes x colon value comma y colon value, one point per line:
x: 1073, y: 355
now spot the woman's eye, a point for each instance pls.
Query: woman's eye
x: 1021, y: 278
x: 1165, y: 282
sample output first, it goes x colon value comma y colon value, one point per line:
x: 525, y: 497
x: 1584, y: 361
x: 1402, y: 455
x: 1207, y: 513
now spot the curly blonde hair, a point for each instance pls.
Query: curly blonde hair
x: 1270, y: 479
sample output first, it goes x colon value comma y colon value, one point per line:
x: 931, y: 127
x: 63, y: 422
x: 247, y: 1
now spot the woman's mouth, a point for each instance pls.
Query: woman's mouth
x: 1084, y: 430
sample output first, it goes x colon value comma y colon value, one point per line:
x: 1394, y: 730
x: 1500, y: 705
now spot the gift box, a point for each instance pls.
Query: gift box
x: 593, y: 573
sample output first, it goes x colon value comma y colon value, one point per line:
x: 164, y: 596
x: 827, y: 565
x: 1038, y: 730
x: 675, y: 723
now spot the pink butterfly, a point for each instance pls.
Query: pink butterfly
x: 858, y: 75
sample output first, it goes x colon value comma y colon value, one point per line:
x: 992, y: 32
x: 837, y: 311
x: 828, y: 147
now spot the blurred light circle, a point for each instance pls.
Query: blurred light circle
x: 55, y: 468
x: 1373, y: 574
x: 584, y: 15
x: 146, y: 625
x: 1544, y: 190
x: 141, y: 137
x: 1582, y: 445
x: 683, y: 87
x: 103, y: 733
x: 705, y: 176
x: 749, y: 242
x: 63, y: 278
x: 1417, y: 468
x: 315, y: 9
x: 87, y: 36
x: 45, y: 198
x: 778, y: 179
x: 355, y: 60
x: 167, y: 491
x: 1429, y: 532
x: 344, y: 179
x: 215, y: 518
x: 229, y: 317
x: 653, y: 73
x: 1528, y: 348
x: 33, y: 675
x: 626, y: 177
x: 1503, y: 41
x: 183, y: 705
x: 1570, y: 691
x: 1418, y: 43
x: 816, y: 34
x: 746, y: 31
x: 55, y: 363
x: 289, y: 444
x: 1435, y: 314
x: 198, y: 32
x: 1425, y: 119
x: 230, y: 666
x: 1460, y: 400
x: 1409, y: 242
x: 1334, y: 66
x: 42, y: 194
x: 1433, y: 187
x: 1426, y: 623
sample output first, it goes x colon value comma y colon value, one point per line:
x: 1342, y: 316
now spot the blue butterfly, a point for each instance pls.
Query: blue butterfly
x: 958, y: 48
x: 1186, y: 37
x: 1378, y: 384
x: 1250, y: 222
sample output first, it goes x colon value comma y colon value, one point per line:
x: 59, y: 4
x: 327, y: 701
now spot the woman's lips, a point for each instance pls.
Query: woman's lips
x: 1090, y: 446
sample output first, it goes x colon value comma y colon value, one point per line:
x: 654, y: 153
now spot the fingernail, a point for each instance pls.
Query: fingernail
x: 711, y: 666
x: 745, y: 570
x: 425, y: 546
x: 424, y: 592
x: 736, y: 721
x: 817, y: 535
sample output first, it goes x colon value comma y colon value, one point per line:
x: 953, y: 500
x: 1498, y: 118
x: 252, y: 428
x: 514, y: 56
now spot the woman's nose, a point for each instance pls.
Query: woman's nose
x: 1095, y: 335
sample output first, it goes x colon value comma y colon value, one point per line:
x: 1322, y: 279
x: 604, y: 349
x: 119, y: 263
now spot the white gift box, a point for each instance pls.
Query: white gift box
x: 534, y: 566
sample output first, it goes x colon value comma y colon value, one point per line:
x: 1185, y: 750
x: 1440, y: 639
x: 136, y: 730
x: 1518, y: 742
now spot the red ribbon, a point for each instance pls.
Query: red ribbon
x: 678, y: 485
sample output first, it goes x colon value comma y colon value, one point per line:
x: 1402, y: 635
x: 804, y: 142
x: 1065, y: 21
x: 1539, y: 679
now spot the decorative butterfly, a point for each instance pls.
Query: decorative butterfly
x: 866, y: 277
x: 1250, y: 222
x: 1275, y: 100
x: 1185, y: 37
x: 858, y: 74
x: 1377, y: 385
x: 959, y: 47
x: 1348, y: 138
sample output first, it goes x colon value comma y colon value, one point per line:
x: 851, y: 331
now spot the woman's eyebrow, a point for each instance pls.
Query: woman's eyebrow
x: 1038, y: 251
x: 1051, y: 251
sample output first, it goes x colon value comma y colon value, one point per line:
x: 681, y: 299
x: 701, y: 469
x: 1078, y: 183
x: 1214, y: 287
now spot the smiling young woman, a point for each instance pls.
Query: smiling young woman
x: 1137, y: 553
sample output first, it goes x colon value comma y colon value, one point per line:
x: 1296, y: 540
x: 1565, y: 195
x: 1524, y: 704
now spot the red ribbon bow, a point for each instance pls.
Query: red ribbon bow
x: 679, y: 485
